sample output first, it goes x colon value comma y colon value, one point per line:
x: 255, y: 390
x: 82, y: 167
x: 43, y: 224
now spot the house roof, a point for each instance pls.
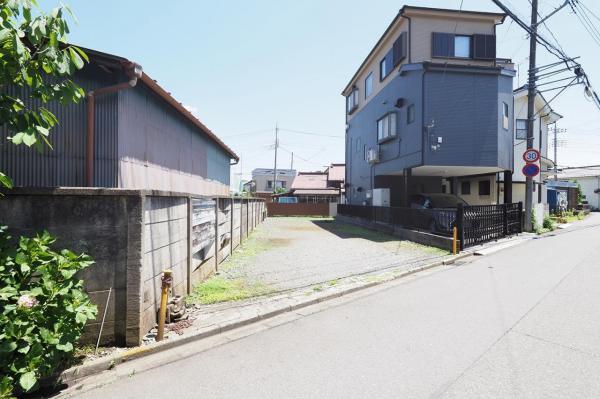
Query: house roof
x: 575, y: 173
x: 337, y: 172
x: 329, y: 191
x: 540, y: 102
x: 310, y: 180
x: 280, y: 172
x: 115, y: 60
x: 413, y: 9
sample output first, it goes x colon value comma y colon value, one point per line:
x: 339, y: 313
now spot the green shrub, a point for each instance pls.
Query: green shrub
x: 43, y: 309
x: 548, y: 223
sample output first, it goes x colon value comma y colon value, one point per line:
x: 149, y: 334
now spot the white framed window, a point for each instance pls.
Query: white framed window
x: 521, y: 129
x: 505, y: 110
x: 386, y: 127
x: 352, y: 100
x: 462, y: 46
x: 369, y: 85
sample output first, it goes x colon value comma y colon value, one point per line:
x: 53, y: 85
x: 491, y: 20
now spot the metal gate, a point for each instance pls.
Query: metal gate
x: 481, y: 223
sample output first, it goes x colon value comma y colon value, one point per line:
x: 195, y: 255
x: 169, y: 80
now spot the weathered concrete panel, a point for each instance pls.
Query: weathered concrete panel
x: 103, y: 226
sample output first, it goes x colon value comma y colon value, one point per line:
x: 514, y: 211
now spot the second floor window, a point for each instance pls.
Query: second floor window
x: 521, y: 129
x: 386, y: 127
x: 369, y: 85
x: 352, y: 101
x: 449, y: 45
x: 280, y: 184
x: 505, y: 116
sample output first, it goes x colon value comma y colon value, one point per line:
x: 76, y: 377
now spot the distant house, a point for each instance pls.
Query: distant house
x: 263, y: 181
x: 319, y: 187
x: 129, y: 133
x: 589, y: 180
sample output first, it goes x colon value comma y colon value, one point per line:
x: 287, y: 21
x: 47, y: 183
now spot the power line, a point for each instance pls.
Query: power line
x: 585, y: 22
x: 310, y: 133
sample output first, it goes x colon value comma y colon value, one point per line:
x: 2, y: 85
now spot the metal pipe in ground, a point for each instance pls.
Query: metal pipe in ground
x: 103, y: 319
x: 167, y: 279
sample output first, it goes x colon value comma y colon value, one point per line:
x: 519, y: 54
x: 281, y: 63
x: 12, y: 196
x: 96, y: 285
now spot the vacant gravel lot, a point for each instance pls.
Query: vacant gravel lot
x: 287, y: 253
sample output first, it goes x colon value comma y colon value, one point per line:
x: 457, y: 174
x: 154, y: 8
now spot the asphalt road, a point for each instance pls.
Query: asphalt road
x: 520, y: 323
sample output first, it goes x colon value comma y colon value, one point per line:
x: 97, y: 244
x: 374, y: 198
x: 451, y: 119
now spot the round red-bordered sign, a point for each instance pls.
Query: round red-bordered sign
x: 531, y: 170
x: 531, y: 155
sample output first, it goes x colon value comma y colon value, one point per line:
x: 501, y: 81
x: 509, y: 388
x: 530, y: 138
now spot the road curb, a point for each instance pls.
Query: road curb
x: 101, y: 365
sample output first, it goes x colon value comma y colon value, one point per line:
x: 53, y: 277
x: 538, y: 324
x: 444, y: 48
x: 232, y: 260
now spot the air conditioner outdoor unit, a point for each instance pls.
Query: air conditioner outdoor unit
x: 373, y: 155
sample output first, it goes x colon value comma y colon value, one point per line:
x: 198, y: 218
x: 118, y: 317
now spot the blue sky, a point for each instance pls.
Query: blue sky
x: 242, y: 66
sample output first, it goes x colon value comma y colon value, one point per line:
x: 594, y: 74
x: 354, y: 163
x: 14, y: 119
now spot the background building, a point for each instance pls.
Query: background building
x: 263, y: 180
x: 431, y: 101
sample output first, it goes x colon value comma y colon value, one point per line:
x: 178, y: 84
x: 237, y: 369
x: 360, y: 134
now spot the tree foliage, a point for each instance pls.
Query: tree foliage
x: 35, y: 62
x: 43, y: 309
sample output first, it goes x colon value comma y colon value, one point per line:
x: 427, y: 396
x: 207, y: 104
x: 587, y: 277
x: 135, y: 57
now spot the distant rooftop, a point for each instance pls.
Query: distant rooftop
x: 267, y: 171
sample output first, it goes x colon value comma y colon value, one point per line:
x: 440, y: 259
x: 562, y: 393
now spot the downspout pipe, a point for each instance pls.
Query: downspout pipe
x: 134, y: 72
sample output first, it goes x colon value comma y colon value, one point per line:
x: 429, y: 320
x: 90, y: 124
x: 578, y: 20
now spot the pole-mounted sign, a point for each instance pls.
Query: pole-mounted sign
x: 531, y: 155
x: 531, y: 170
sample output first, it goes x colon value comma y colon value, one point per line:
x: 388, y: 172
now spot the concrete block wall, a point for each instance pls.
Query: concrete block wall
x: 132, y: 235
x: 105, y: 224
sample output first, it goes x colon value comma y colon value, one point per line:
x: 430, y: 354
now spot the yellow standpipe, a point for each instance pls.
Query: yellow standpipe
x: 167, y: 279
x: 455, y: 240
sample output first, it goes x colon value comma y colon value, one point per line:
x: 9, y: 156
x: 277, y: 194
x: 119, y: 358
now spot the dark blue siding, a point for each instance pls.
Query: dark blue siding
x: 466, y: 111
x: 404, y: 151
x: 464, y: 106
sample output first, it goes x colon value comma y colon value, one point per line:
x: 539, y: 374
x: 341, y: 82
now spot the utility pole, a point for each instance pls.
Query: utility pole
x: 531, y: 93
x: 531, y: 86
x: 292, y: 163
x: 555, y: 153
x: 275, y: 167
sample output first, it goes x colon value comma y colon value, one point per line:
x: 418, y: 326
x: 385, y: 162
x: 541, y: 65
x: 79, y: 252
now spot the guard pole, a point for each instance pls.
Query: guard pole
x: 454, y: 240
x: 167, y: 278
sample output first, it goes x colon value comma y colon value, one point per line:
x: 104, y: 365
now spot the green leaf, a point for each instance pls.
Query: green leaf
x: 75, y: 58
x: 82, y: 54
x: 67, y: 347
x: 17, y: 138
x: 7, y: 346
x: 29, y: 139
x: 6, y: 181
x: 28, y: 381
x: 20, y: 258
x: 25, y: 268
x: 81, y: 318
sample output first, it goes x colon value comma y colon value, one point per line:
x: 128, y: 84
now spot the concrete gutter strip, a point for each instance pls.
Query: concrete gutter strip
x: 100, y: 365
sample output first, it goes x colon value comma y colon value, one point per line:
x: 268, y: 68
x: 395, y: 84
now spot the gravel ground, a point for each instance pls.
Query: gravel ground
x: 297, y: 252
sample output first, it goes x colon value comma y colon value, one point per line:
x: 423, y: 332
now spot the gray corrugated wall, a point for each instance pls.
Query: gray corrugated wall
x: 153, y: 132
x: 65, y: 164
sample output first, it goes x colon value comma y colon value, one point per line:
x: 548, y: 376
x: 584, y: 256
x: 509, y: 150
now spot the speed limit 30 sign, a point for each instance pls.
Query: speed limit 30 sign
x: 531, y: 155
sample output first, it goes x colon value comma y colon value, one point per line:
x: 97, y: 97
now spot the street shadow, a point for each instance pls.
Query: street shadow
x: 345, y: 231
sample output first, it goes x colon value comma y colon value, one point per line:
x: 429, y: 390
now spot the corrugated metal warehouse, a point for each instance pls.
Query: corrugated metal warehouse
x: 142, y: 138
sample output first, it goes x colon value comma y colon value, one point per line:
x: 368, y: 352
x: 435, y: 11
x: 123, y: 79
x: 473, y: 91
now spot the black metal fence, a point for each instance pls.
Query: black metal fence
x: 475, y: 224
x: 437, y: 221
